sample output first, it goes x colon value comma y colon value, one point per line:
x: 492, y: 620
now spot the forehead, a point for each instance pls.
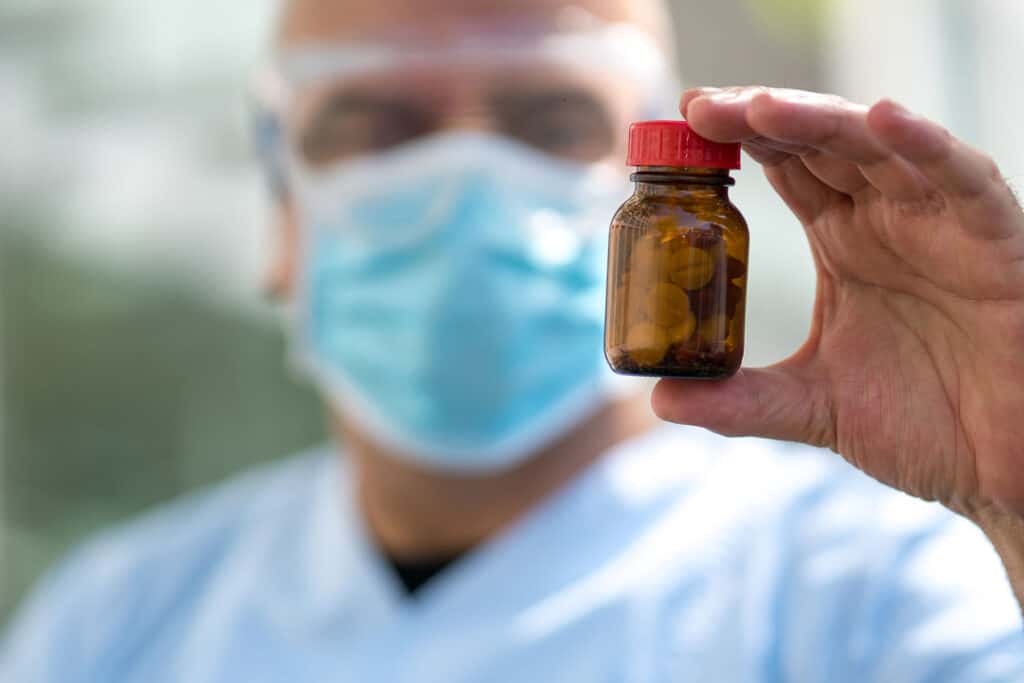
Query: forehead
x: 467, y: 87
x: 358, y: 20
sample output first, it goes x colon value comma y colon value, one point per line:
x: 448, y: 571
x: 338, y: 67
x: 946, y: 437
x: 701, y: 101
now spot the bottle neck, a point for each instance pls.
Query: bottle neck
x: 672, y: 180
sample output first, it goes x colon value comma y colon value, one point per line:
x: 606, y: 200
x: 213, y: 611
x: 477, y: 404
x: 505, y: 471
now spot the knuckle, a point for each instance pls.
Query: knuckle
x: 991, y: 169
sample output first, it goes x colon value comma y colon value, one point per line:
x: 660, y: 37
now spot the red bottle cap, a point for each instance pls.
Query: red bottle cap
x: 672, y: 143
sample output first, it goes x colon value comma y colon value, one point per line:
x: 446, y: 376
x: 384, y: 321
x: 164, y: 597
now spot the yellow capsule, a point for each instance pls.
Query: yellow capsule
x: 691, y: 268
x: 668, y: 305
x: 667, y: 225
x: 736, y: 248
x: 713, y: 329
x: 735, y: 330
x: 666, y: 262
x: 736, y: 323
x: 646, y: 343
x: 681, y: 333
x: 643, y: 261
x: 637, y: 306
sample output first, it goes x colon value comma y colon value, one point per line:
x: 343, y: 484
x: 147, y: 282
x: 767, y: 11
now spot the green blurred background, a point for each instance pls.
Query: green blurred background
x: 138, y: 359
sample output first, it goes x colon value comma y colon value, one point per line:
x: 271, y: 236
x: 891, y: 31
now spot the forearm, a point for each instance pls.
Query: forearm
x: 1006, y: 532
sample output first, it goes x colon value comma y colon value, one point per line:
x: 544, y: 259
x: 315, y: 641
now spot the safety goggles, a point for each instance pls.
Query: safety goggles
x: 567, y: 93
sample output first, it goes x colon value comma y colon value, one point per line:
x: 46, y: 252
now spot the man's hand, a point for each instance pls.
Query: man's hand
x: 914, y: 367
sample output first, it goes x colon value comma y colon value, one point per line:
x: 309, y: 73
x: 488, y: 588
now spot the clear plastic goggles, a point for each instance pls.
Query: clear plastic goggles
x: 567, y: 93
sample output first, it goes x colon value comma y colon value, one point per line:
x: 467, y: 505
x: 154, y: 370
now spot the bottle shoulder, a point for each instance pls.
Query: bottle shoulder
x: 665, y: 212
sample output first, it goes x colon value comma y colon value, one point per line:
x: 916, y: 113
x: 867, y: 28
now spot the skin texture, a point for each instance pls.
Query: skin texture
x: 913, y: 369
x: 413, y: 512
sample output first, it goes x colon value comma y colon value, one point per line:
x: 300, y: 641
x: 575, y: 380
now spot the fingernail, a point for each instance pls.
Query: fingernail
x: 691, y: 94
x: 694, y: 93
x: 725, y: 95
x: 899, y: 110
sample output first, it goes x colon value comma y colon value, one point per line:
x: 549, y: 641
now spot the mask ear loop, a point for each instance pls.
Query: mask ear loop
x: 264, y: 104
x: 266, y: 98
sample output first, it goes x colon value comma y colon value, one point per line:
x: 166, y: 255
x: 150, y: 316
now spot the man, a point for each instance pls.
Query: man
x: 504, y: 512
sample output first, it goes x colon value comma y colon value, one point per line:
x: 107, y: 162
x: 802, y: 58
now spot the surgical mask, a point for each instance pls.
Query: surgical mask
x: 451, y: 295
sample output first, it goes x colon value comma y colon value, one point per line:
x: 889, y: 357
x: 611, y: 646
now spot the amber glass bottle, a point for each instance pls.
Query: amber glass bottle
x: 677, y: 262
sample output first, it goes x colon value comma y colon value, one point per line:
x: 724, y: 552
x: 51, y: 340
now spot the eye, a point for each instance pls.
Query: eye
x: 571, y: 124
x: 350, y: 125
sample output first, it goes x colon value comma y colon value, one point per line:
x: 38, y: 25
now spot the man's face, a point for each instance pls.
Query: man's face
x: 451, y: 165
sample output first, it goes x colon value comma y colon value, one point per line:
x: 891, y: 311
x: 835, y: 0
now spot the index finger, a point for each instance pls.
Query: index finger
x: 794, y: 118
x: 806, y: 124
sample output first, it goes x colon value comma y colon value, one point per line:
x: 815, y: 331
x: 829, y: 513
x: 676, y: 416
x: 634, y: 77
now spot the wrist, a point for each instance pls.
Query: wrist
x: 1006, y: 532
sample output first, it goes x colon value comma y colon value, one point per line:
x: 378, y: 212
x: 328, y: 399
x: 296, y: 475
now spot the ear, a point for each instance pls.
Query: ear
x: 279, y: 279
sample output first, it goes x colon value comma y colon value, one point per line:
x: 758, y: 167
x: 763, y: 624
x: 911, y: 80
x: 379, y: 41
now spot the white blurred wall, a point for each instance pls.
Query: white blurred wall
x: 125, y: 137
x: 958, y: 61
x: 780, y: 291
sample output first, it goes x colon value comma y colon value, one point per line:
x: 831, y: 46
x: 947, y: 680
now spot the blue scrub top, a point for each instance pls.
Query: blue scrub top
x: 680, y: 556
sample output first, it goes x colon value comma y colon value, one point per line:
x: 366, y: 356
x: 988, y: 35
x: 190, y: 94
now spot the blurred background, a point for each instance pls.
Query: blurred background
x: 138, y: 358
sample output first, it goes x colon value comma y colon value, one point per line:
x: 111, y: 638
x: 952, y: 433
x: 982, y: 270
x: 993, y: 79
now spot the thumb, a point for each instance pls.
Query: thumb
x: 776, y: 402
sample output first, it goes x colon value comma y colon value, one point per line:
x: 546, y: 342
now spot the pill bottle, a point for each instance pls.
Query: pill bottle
x: 677, y: 261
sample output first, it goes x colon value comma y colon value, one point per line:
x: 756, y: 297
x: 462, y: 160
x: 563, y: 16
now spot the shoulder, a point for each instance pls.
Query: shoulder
x: 193, y: 532
x: 119, y: 587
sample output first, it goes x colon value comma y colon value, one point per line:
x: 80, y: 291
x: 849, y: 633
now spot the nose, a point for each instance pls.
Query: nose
x: 477, y: 121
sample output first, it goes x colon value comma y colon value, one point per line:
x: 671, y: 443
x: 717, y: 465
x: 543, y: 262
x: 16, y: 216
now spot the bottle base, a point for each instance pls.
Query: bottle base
x: 705, y: 368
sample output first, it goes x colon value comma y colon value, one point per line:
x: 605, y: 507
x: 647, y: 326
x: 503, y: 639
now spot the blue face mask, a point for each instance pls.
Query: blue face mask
x: 452, y: 296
